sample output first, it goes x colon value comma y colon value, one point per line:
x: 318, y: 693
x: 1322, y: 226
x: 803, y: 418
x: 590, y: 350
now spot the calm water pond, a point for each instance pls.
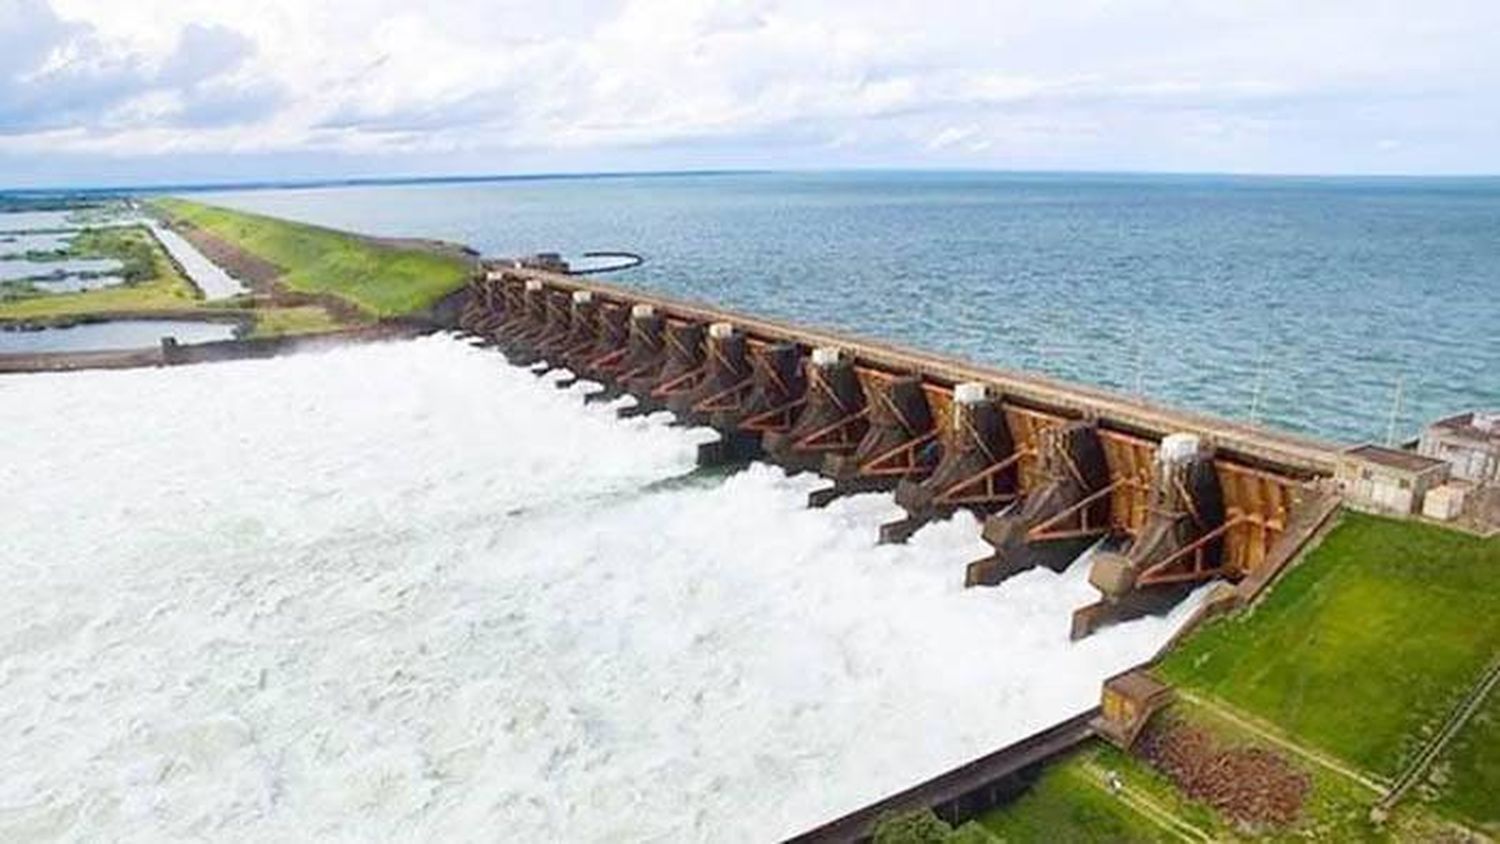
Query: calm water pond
x: 12, y: 269
x: 25, y: 221
x: 18, y: 244
x: 101, y: 336
x: 74, y: 283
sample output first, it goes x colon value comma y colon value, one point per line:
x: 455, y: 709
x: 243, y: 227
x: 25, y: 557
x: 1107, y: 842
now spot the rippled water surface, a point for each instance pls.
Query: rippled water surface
x: 407, y: 592
x: 1298, y: 302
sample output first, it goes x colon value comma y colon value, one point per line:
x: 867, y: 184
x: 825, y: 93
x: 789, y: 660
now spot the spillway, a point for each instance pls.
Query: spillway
x: 407, y: 590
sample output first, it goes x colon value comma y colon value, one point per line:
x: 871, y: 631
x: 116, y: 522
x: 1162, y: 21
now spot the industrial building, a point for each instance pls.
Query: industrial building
x: 1388, y: 480
x: 1469, y: 443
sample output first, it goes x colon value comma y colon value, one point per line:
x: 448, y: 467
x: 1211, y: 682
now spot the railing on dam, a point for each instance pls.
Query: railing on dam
x: 1052, y: 468
x: 1276, y: 450
x: 1168, y: 500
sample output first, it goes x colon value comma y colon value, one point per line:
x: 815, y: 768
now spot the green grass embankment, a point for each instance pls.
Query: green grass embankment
x: 303, y: 319
x: 1086, y: 797
x: 380, y: 278
x: 1352, y: 663
x: 1093, y: 794
x: 1365, y: 647
x: 1362, y: 651
x: 1465, y: 779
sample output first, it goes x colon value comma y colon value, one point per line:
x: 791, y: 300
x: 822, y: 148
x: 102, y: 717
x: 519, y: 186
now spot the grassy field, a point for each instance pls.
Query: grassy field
x: 1100, y: 794
x: 152, y: 280
x: 1073, y: 802
x: 305, y: 319
x: 1350, y: 664
x: 1363, y: 648
x: 1469, y: 771
x: 380, y: 279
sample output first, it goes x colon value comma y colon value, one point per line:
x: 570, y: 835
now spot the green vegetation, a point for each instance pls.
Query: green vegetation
x: 919, y: 827
x: 1074, y: 802
x: 1358, y: 656
x: 152, y: 281
x: 1101, y: 794
x: 1465, y: 781
x: 134, y: 247
x: 1365, y: 647
x: 1350, y: 664
x: 924, y: 827
x: 380, y: 278
x: 303, y: 319
x: 350, y: 277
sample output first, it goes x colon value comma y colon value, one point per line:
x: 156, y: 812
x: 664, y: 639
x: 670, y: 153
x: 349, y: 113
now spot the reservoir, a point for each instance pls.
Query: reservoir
x: 1295, y: 302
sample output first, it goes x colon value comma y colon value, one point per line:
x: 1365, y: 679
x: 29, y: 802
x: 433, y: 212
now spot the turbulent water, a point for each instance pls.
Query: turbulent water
x: 1295, y: 302
x: 404, y: 590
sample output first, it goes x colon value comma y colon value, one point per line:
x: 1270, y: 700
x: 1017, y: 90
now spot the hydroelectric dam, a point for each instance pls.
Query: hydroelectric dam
x: 1163, y: 501
x: 1172, y: 499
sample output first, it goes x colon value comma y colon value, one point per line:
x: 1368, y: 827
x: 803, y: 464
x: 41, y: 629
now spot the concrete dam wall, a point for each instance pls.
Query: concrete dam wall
x: 1177, y: 499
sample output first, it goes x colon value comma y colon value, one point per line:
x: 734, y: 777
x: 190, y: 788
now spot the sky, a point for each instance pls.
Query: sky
x: 126, y: 92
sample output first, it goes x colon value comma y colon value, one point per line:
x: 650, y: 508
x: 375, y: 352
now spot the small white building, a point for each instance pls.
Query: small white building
x: 1388, y: 480
x: 1468, y: 442
x: 1444, y: 503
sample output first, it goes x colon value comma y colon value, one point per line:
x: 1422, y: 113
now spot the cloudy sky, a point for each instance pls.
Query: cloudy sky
x: 142, y: 91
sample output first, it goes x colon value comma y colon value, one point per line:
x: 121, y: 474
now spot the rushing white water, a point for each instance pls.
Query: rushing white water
x: 405, y: 590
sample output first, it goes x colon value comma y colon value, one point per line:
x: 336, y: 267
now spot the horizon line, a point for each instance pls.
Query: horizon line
x: 474, y: 178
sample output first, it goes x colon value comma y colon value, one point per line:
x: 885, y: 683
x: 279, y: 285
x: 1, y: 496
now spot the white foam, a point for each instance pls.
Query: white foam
x: 407, y: 591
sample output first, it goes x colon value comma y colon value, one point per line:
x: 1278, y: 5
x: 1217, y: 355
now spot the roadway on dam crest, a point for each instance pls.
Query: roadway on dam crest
x: 1278, y: 449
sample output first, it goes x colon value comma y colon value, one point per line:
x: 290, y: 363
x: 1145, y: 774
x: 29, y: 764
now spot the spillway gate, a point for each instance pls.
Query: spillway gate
x: 1052, y: 468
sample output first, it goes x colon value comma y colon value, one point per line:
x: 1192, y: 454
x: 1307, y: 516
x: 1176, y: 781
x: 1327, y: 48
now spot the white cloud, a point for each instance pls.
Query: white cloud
x: 1204, y: 85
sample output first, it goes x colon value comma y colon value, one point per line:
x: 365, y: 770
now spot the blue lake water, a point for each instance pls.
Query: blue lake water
x: 17, y: 244
x: 107, y: 336
x: 13, y: 269
x: 1297, y: 302
x: 25, y: 221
